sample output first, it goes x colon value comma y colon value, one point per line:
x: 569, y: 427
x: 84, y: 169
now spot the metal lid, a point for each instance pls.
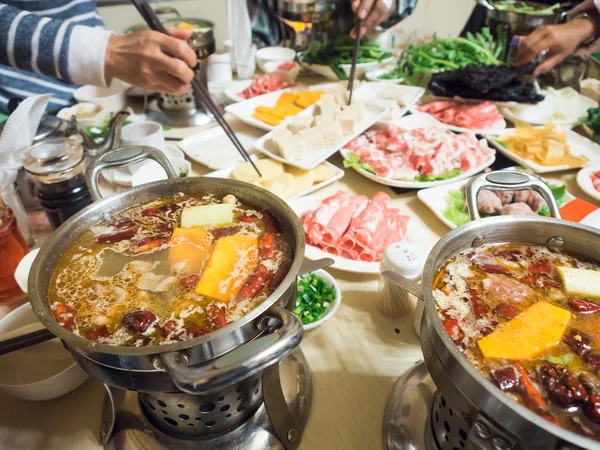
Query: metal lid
x: 52, y: 156
x: 403, y: 258
x: 53, y: 127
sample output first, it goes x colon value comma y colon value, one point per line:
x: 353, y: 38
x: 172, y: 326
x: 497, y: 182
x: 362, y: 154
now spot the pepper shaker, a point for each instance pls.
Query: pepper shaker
x: 404, y: 259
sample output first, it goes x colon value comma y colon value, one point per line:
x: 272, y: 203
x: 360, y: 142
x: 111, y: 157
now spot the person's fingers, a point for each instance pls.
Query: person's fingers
x: 533, y: 45
x: 365, y: 8
x: 355, y: 5
x: 179, y: 33
x: 549, y: 63
x: 168, y: 84
x: 374, y: 18
x: 178, y: 49
x: 176, y: 68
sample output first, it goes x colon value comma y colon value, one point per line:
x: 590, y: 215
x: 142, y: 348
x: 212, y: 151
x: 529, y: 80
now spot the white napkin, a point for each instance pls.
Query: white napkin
x: 20, y: 129
x: 240, y: 33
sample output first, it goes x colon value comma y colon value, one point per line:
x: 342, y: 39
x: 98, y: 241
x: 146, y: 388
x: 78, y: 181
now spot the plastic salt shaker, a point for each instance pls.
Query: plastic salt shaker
x: 404, y: 259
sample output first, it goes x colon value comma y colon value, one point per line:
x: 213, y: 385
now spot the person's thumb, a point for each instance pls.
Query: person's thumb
x: 178, y: 33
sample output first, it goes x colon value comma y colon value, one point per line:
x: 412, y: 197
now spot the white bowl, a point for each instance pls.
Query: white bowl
x: 279, y: 54
x: 333, y: 306
x: 288, y: 75
x: 373, y: 75
x: 151, y: 171
x: 111, y: 98
x: 67, y: 377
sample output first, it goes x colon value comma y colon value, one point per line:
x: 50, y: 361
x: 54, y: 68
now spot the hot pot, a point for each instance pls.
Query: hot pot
x: 223, y: 358
x: 489, y: 418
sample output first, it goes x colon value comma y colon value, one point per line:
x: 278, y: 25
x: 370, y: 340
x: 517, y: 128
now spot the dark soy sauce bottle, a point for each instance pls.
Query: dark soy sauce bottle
x: 58, y: 171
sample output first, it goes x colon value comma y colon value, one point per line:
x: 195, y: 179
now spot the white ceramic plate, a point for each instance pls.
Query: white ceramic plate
x: 373, y: 75
x: 123, y: 177
x: 420, y: 120
x: 339, y: 173
x: 540, y: 114
x: 151, y: 171
x: 333, y: 306
x: 578, y: 145
x: 303, y: 205
x: 244, y: 110
x: 585, y: 183
x: 213, y: 148
x: 372, y: 113
x: 435, y: 199
x: 327, y: 72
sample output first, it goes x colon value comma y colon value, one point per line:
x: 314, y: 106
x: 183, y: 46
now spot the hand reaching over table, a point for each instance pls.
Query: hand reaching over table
x: 152, y: 61
x: 372, y: 13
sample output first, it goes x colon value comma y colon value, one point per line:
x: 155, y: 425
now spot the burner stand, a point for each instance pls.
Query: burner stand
x: 266, y: 411
x: 417, y: 416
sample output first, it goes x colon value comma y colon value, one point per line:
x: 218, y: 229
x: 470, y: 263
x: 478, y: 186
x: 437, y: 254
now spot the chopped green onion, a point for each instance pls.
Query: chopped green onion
x: 313, y: 298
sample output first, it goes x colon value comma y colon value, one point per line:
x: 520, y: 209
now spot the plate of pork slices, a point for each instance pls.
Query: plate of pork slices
x: 353, y: 230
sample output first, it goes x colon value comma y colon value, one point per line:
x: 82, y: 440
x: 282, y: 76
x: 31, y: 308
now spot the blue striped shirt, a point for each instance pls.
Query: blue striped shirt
x: 34, y: 47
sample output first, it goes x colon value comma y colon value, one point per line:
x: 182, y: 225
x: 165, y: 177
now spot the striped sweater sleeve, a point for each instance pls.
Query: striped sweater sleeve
x: 61, y: 49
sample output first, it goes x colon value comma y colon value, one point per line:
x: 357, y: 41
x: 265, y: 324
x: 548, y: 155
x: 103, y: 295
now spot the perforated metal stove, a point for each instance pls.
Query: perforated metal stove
x: 266, y: 411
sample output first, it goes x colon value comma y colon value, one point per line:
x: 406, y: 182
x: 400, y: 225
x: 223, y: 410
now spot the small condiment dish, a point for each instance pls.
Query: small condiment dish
x: 111, y: 98
x: 279, y: 54
x: 40, y: 372
x: 150, y: 171
x: 333, y: 306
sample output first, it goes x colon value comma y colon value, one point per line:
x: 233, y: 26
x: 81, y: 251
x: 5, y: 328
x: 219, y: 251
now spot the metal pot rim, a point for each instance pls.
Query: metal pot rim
x: 79, y: 342
x: 435, y: 321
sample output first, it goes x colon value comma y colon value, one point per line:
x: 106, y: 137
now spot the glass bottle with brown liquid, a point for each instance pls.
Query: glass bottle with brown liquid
x: 12, y: 250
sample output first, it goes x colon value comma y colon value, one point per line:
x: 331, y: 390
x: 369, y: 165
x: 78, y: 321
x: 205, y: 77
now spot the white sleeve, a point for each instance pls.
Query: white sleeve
x: 87, y: 51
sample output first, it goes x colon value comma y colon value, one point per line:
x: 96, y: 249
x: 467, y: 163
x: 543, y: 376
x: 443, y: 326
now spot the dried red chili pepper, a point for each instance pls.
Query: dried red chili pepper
x: 494, y: 268
x: 138, y: 321
x: 190, y: 281
x: 118, y: 236
x: 477, y: 305
x: 100, y: 332
x: 540, y: 267
x: 579, y: 342
x: 583, y: 306
x: 564, y: 387
x: 506, y: 311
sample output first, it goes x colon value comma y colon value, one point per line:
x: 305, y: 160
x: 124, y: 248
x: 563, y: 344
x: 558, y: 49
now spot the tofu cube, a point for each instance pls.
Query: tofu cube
x: 329, y: 110
x: 329, y: 99
x: 280, y: 135
x: 332, y: 133
x: 313, y: 140
x: 348, y: 121
x: 293, y: 147
x: 356, y: 108
x: 300, y: 123
x: 322, y: 120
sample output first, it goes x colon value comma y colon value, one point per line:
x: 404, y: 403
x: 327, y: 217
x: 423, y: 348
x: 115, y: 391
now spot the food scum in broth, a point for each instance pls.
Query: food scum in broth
x: 152, y: 275
x: 515, y: 313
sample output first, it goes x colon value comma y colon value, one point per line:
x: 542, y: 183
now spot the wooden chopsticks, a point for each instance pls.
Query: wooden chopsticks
x: 354, y: 59
x: 200, y: 92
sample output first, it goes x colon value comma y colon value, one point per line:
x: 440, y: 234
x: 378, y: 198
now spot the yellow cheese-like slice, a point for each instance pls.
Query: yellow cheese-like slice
x: 230, y: 265
x: 531, y: 333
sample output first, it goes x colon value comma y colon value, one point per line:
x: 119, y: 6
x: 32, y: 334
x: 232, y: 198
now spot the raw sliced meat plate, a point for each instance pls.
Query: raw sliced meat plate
x: 477, y: 116
x: 354, y: 227
x: 263, y: 84
x: 422, y: 154
x: 595, y: 177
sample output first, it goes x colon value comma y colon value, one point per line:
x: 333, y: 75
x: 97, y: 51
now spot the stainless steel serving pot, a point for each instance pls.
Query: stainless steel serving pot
x: 493, y: 420
x: 523, y: 24
x: 226, y: 356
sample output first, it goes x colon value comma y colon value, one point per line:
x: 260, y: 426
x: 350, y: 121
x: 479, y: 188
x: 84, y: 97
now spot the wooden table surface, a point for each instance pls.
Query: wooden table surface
x: 354, y: 358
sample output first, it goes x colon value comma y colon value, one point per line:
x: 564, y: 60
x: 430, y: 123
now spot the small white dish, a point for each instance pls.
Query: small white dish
x: 420, y: 120
x: 372, y: 113
x: 590, y: 87
x: 435, y: 199
x: 23, y: 268
x: 333, y: 306
x: 40, y: 372
x: 111, y: 98
x: 151, y: 171
x: 122, y: 176
x: 80, y: 111
x: 373, y: 75
x: 339, y: 173
x: 585, y: 182
x: 288, y: 75
x: 303, y: 205
x: 143, y: 133
x: 327, y: 72
x: 578, y: 145
x: 278, y: 54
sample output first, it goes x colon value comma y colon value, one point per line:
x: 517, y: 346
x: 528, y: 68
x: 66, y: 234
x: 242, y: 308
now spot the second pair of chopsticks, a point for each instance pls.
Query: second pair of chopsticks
x: 200, y: 92
x: 354, y: 59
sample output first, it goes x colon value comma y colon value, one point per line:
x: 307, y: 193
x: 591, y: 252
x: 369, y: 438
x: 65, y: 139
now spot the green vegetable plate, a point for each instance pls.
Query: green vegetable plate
x: 318, y: 298
x: 330, y: 74
x: 447, y: 202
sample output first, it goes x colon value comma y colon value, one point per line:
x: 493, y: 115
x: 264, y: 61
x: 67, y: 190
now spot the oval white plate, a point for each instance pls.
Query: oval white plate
x: 495, y: 129
x: 234, y: 88
x: 373, y: 75
x: 420, y: 120
x: 333, y: 306
x: 585, y: 183
x: 303, y: 205
x: 435, y: 199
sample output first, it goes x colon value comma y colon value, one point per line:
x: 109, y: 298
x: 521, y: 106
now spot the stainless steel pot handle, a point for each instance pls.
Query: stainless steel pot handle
x: 123, y: 156
x: 238, y: 364
x: 507, y: 180
x: 164, y: 10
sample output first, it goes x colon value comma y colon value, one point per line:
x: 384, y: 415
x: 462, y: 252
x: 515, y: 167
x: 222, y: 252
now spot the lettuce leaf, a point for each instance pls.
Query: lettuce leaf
x: 563, y: 360
x: 559, y: 193
x: 352, y: 160
x: 450, y: 174
x: 455, y: 210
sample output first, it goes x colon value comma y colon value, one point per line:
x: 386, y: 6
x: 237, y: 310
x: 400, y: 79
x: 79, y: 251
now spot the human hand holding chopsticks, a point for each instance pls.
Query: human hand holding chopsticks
x: 372, y: 13
x: 152, y: 60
